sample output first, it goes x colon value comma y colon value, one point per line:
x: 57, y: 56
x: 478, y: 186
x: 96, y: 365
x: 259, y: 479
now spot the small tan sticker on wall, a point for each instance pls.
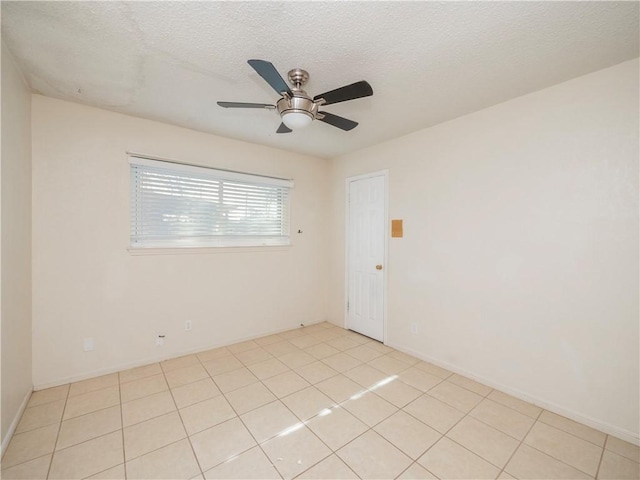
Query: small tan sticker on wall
x: 396, y: 228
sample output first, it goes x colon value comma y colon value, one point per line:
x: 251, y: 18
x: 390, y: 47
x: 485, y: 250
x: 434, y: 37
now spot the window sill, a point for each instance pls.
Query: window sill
x: 207, y: 250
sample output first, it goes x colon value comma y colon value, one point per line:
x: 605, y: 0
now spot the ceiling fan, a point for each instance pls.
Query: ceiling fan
x: 296, y: 108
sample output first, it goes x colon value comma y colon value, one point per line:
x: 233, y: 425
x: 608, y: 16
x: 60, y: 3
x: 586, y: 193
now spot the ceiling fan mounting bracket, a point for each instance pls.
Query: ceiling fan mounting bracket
x: 298, y: 77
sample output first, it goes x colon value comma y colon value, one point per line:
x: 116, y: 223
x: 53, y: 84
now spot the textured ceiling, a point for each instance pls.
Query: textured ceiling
x: 428, y: 62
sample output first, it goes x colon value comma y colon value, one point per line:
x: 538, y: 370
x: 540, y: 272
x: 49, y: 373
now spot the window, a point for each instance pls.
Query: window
x: 176, y: 205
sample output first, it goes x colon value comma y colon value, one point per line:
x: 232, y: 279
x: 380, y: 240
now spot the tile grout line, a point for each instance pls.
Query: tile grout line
x: 445, y: 433
x: 415, y: 462
x: 124, y: 453
x: 558, y: 460
x: 513, y: 409
x: 324, y: 364
x: 553, y: 457
x: 369, y: 429
x: 47, y: 402
x: 498, y: 430
x: 40, y: 426
x: 606, y: 438
x: 519, y: 445
x: 333, y: 452
x: 182, y: 420
x: 53, y: 453
x: 68, y: 419
x: 106, y: 469
x: 568, y: 433
x: 104, y: 434
x: 452, y: 427
x: 27, y: 461
x: 572, y: 434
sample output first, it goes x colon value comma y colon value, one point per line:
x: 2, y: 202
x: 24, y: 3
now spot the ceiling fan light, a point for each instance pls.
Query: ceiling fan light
x: 296, y: 120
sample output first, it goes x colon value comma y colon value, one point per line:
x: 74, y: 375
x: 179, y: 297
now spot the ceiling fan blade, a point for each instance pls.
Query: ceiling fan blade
x: 348, y: 92
x: 283, y: 129
x: 340, y: 122
x: 267, y: 71
x: 246, y: 105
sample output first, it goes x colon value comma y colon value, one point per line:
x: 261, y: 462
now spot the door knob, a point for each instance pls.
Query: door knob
x: 378, y: 267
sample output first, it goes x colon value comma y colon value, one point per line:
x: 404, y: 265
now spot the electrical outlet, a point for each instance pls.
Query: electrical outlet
x: 187, y: 326
x: 414, y: 327
x: 89, y: 345
x: 159, y: 340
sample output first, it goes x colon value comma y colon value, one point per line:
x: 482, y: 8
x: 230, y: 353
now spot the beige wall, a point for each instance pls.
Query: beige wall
x: 16, y: 241
x: 86, y: 283
x: 520, y: 257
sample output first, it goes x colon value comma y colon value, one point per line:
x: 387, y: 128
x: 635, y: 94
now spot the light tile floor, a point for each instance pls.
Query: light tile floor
x: 314, y: 403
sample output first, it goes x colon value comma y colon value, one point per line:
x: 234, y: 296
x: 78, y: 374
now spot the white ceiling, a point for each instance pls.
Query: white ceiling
x: 428, y: 62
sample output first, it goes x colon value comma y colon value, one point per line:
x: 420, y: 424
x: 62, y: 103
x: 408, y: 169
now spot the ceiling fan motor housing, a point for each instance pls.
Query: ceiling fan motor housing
x: 300, y: 102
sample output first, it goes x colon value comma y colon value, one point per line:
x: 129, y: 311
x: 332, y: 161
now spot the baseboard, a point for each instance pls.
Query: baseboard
x: 154, y: 359
x: 607, y: 428
x: 14, y: 424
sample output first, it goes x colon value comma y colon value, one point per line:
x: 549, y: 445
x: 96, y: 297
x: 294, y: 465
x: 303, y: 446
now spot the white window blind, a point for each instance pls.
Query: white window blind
x: 175, y: 205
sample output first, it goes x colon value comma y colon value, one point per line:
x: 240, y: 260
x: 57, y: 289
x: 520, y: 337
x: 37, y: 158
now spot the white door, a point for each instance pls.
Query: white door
x: 366, y: 254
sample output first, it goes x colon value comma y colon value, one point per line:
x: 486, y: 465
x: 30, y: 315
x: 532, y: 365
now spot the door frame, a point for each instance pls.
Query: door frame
x: 348, y: 180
